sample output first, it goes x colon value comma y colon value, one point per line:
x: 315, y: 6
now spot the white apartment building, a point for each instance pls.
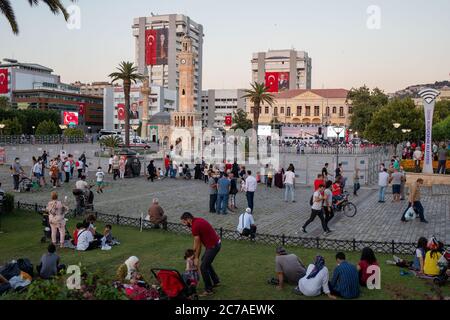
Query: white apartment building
x: 217, y: 104
x: 164, y: 72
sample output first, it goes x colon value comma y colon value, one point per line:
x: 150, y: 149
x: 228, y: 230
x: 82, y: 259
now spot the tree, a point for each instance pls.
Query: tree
x: 365, y: 103
x: 381, y: 129
x: 12, y: 127
x: 111, y: 142
x: 47, y: 127
x: 74, y: 132
x: 441, y: 111
x: 441, y: 130
x: 7, y: 10
x: 128, y: 74
x: 258, y: 95
x: 4, y: 103
x: 241, y: 121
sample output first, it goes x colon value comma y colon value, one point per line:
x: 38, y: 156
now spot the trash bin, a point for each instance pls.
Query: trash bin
x: 132, y: 165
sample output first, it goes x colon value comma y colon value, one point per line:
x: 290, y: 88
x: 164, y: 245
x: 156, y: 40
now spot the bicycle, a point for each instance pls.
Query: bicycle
x: 347, y: 207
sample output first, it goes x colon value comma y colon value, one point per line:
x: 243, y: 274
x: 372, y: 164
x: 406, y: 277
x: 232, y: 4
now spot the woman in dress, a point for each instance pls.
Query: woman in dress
x: 56, y: 211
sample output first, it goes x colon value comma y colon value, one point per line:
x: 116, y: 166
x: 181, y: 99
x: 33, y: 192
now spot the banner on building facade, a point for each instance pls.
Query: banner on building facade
x: 70, y: 118
x: 156, y: 46
x: 228, y: 121
x: 82, y: 109
x: 277, y: 81
x: 120, y: 112
x: 4, y: 81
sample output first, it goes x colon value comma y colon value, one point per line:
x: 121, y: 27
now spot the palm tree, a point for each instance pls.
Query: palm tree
x: 258, y: 95
x: 111, y: 142
x: 7, y: 10
x: 128, y: 74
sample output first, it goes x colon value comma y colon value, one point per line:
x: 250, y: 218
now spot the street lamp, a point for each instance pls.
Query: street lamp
x: 2, y: 126
x: 135, y: 127
x: 62, y: 127
x: 33, y: 127
x: 338, y: 130
x: 396, y: 125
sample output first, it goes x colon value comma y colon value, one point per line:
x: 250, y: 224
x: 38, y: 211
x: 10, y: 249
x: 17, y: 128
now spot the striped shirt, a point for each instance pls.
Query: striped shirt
x: 345, y: 281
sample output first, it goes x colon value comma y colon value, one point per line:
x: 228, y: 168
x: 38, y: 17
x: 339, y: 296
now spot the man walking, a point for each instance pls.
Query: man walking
x: 417, y: 156
x: 442, y: 158
x: 289, y: 182
x: 223, y: 188
x: 396, y: 180
x: 383, y: 181
x: 204, y: 234
x: 250, y: 186
x: 414, y: 201
x: 316, y: 210
x: 16, y: 170
x: 212, y: 186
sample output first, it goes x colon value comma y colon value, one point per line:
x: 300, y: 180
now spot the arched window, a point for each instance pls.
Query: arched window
x: 275, y: 111
x: 183, y: 93
x: 328, y: 111
x: 341, y: 111
x: 334, y: 110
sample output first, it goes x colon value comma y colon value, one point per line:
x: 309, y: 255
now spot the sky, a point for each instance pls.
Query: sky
x: 406, y: 43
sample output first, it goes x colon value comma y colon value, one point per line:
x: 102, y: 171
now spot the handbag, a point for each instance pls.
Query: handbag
x: 410, y: 214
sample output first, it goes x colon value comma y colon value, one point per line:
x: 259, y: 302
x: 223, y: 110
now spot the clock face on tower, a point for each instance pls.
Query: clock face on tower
x: 183, y: 61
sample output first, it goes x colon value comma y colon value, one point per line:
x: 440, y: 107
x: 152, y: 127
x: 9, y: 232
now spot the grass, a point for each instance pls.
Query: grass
x: 242, y: 266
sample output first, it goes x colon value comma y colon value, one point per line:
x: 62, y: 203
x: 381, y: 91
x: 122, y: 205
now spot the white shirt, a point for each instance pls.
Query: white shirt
x: 329, y: 198
x: 82, y: 185
x: 110, y: 161
x: 245, y: 221
x: 84, y: 238
x: 67, y: 166
x: 37, y: 168
x: 250, y: 184
x: 417, y: 155
x: 80, y: 164
x: 289, y: 177
x: 100, y: 176
x: 313, y: 287
x: 317, y: 205
x: 383, y: 178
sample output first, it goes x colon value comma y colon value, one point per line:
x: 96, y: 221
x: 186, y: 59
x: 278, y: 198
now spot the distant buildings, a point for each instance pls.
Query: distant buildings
x: 218, y: 104
x: 92, y: 89
x: 30, y: 85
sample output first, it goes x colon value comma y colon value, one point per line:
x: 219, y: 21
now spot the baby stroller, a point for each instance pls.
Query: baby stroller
x: 173, y: 287
x: 26, y: 184
x: 84, y: 200
x: 443, y: 264
x: 47, y: 229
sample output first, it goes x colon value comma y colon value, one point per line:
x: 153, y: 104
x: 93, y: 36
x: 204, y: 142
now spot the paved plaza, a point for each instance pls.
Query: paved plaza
x: 373, y: 222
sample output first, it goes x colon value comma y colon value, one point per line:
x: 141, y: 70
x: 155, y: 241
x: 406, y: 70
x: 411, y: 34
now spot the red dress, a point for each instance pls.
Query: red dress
x: 363, y: 275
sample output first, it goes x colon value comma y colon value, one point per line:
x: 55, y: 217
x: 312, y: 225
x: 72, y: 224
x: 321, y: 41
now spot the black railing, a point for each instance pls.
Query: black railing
x: 50, y: 139
x: 390, y: 247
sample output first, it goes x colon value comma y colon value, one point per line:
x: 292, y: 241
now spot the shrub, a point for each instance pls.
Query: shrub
x: 74, y: 132
x: 54, y: 289
x: 12, y: 127
x: 47, y: 127
x: 8, y: 203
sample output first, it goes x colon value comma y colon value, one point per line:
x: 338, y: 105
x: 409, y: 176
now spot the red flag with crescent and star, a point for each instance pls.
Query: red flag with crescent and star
x: 120, y: 112
x: 150, y: 46
x: 3, y: 81
x: 228, y: 121
x: 70, y: 118
x: 272, y: 81
x: 82, y: 109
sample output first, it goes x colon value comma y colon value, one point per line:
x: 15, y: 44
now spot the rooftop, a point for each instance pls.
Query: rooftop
x: 325, y: 93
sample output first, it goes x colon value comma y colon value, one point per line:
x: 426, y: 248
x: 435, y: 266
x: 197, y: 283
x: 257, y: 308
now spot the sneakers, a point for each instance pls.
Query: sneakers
x: 304, y: 230
x: 424, y: 221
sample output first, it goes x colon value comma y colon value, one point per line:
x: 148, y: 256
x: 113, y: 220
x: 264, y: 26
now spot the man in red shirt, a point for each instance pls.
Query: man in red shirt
x: 318, y: 182
x: 204, y: 234
x: 167, y: 165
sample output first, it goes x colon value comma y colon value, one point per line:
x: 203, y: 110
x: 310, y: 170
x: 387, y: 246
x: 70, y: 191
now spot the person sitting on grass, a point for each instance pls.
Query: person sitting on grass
x: 49, y: 265
x: 86, y: 240
x: 128, y: 272
x: 345, y: 281
x: 156, y: 215
x: 367, y: 259
x: 90, y: 220
x: 75, y: 233
x: 288, y: 267
x: 316, y: 280
x: 419, y: 257
x: 430, y: 267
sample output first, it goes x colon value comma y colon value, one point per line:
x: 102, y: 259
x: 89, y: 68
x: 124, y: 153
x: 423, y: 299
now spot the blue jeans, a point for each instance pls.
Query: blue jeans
x: 222, y: 203
x: 250, y: 196
x: 289, y: 190
x: 381, y: 194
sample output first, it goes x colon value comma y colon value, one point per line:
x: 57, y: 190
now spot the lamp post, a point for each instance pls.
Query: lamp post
x: 135, y: 127
x: 338, y: 130
x: 2, y: 126
x: 396, y: 126
x: 62, y: 127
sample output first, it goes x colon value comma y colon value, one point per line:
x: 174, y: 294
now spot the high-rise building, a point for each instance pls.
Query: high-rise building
x: 282, y: 70
x: 217, y: 104
x: 158, y: 42
x: 92, y: 89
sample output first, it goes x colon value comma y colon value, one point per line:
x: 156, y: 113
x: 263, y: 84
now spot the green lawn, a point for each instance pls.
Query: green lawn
x: 242, y: 266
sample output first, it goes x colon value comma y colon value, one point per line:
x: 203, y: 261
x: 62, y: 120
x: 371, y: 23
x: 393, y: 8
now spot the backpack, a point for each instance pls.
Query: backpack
x: 25, y: 265
x: 10, y: 270
x: 311, y: 201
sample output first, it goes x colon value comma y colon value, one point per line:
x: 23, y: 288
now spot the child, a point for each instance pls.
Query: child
x: 190, y: 276
x: 100, y: 175
x: 161, y: 174
x: 107, y: 235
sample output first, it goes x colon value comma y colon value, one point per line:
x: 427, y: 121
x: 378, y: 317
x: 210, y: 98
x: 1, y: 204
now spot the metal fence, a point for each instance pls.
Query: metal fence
x: 391, y: 247
x: 52, y: 139
x: 343, y: 150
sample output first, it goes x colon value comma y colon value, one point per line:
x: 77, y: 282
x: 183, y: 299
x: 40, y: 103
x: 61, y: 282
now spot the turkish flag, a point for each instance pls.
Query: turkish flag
x: 228, y: 121
x: 121, y: 111
x: 82, y: 109
x: 3, y: 81
x: 272, y: 81
x: 70, y: 118
x: 150, y: 46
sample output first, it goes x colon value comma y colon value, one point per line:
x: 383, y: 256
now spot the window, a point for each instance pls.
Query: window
x: 299, y: 111
x: 288, y: 111
x: 282, y: 110
x: 328, y: 111
x: 334, y: 110
x: 308, y: 111
x: 350, y: 110
x: 275, y: 111
x: 267, y: 110
x: 252, y: 109
x: 316, y: 111
x: 341, y: 111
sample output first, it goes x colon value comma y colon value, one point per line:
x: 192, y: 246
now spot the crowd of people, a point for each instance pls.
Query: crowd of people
x: 416, y: 151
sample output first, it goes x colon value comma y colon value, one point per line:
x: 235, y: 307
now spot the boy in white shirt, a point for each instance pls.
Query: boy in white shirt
x: 100, y: 176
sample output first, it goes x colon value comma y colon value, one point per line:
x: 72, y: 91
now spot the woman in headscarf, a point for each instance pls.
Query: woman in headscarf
x: 316, y: 280
x: 129, y: 271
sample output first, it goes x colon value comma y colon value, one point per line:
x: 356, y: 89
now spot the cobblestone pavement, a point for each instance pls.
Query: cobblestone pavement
x: 373, y: 222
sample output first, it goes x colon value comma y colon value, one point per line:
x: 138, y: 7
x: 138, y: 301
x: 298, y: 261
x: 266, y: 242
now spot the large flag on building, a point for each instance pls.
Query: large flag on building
x: 272, y: 81
x: 120, y: 112
x: 150, y: 46
x: 82, y: 109
x: 3, y: 81
x: 70, y: 118
x: 156, y: 46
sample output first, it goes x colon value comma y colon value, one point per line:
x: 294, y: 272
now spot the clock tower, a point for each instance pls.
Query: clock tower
x: 186, y: 68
